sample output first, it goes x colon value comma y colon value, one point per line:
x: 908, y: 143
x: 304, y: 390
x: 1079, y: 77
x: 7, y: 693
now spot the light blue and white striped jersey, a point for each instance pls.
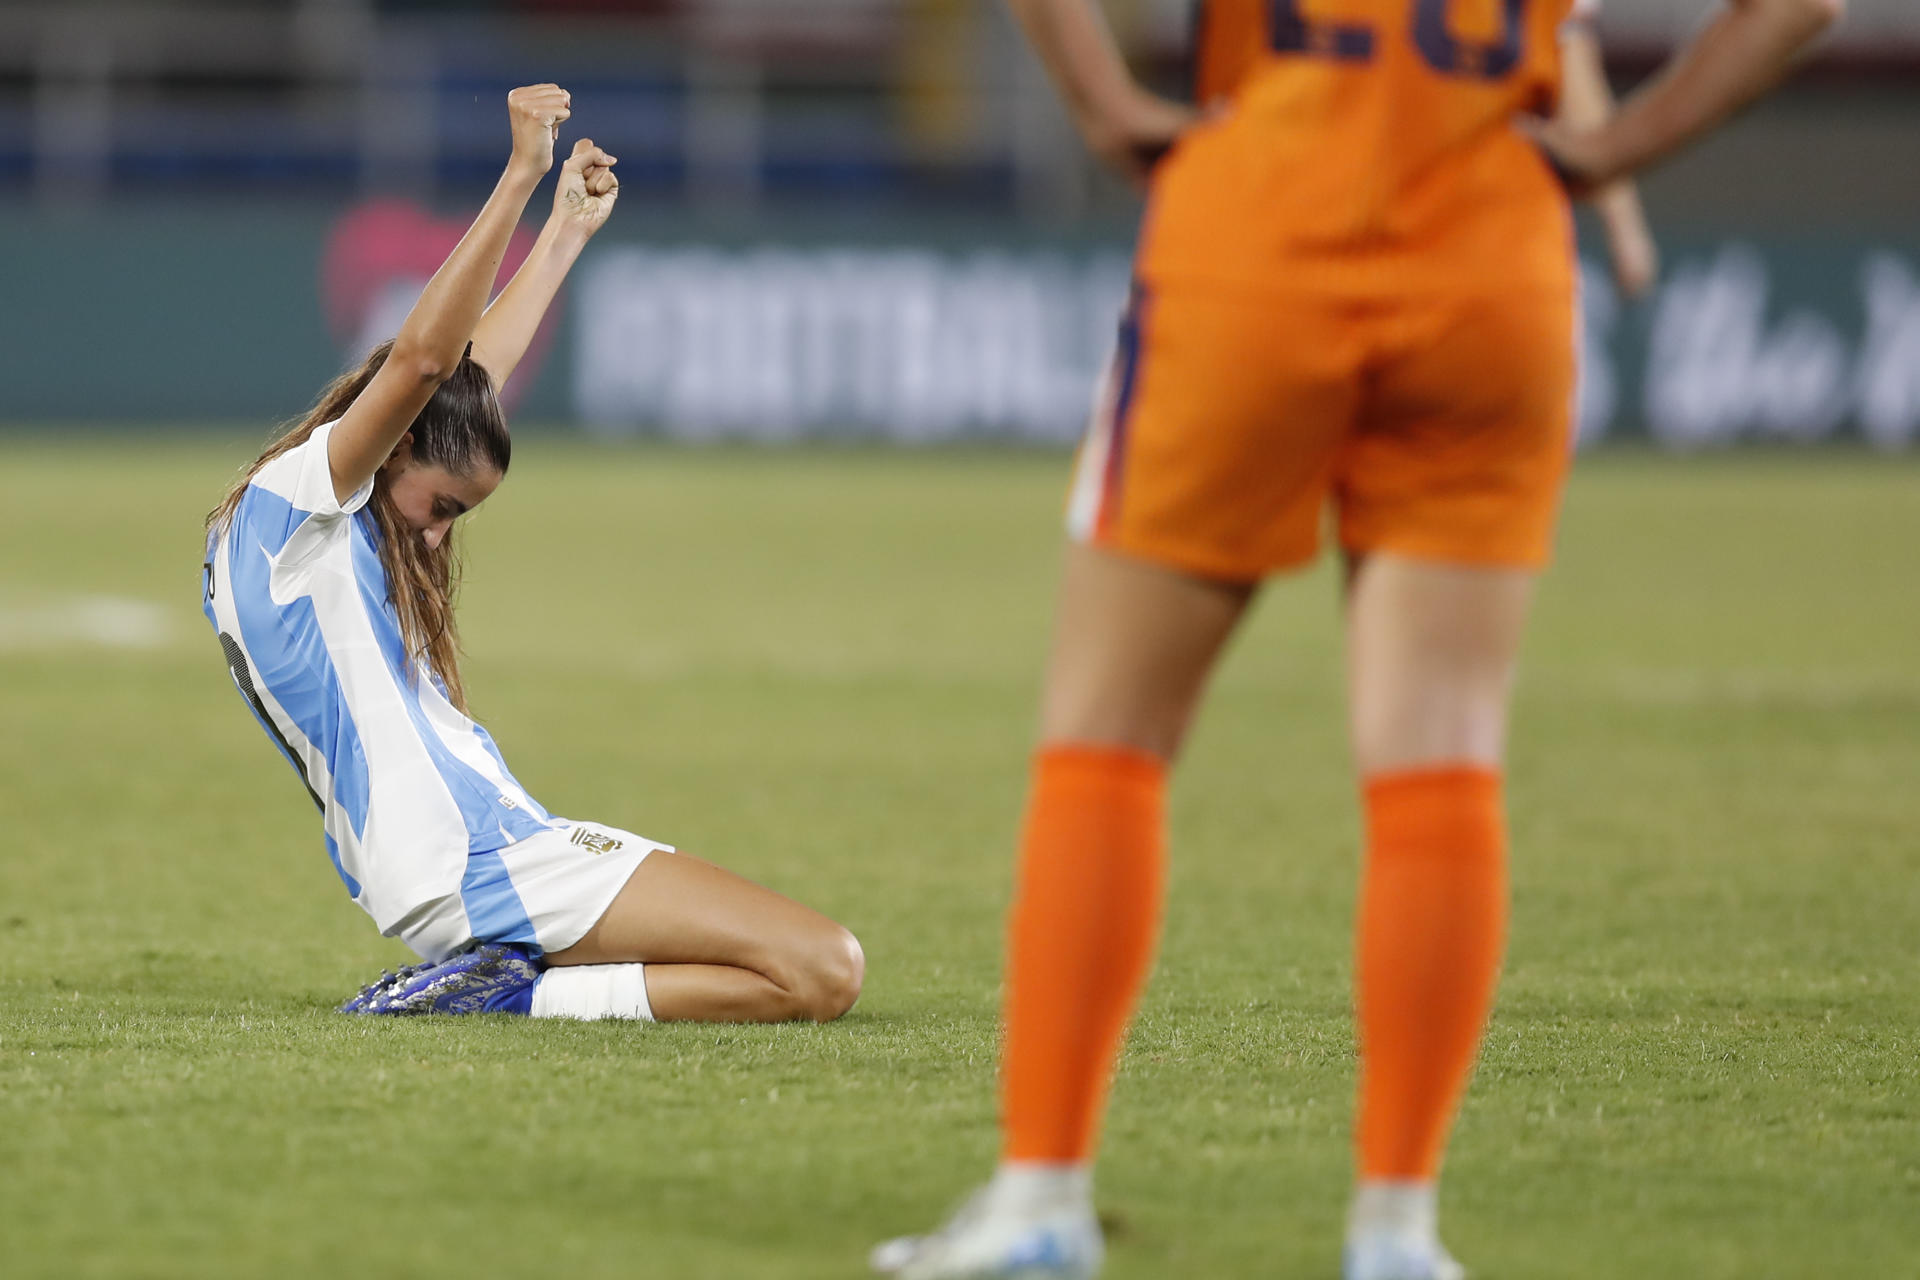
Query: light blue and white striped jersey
x: 407, y: 785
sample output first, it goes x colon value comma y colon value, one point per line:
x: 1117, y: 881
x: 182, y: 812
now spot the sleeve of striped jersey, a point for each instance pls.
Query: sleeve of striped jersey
x: 313, y: 486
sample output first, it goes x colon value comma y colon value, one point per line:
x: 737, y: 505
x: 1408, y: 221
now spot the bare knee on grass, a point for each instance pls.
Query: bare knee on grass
x: 723, y: 948
x: 821, y: 974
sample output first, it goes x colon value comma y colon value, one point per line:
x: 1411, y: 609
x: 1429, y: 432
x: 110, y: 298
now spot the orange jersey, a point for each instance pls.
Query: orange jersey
x: 1366, y: 146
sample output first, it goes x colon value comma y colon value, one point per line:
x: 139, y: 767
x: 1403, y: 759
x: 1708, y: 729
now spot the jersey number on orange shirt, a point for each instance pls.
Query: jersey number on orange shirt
x: 1293, y: 32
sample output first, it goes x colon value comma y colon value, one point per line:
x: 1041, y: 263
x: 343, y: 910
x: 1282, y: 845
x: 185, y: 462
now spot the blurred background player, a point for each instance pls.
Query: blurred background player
x: 330, y: 581
x: 1586, y: 100
x: 1356, y: 290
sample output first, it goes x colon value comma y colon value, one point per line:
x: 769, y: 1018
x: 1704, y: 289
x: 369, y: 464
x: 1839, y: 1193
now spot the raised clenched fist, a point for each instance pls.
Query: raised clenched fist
x: 536, y: 112
x: 587, y: 188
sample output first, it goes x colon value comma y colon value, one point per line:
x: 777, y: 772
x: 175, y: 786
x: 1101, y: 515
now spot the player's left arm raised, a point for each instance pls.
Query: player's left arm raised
x: 582, y: 203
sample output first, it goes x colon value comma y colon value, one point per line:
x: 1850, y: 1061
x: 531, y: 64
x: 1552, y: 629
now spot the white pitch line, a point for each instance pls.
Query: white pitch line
x: 102, y: 621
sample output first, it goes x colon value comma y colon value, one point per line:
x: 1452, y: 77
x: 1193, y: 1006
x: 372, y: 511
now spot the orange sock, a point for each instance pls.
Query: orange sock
x: 1085, y: 920
x: 1433, y: 922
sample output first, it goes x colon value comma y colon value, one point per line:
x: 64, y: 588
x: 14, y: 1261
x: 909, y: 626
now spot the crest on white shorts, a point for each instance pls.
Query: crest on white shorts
x: 594, y: 841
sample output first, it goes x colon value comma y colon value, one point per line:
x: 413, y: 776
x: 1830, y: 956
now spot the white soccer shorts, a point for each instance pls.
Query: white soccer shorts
x: 543, y: 892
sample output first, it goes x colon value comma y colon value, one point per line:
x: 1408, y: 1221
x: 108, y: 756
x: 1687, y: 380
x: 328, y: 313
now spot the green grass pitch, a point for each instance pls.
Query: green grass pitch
x: 819, y: 669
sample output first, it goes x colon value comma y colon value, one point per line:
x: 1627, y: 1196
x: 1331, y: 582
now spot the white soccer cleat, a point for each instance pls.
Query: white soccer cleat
x: 1399, y: 1255
x: 995, y: 1237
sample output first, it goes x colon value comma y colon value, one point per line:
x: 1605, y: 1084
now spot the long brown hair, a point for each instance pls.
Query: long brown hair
x: 461, y: 428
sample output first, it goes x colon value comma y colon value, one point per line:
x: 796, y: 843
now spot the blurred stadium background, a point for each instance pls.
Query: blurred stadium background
x: 866, y: 220
x: 846, y: 216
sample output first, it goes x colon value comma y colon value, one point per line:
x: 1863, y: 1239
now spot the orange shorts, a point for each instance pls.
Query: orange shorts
x: 1438, y: 428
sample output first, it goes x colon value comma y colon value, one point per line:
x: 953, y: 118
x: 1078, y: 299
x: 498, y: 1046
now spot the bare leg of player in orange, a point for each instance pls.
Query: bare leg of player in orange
x: 1431, y: 656
x: 1132, y: 648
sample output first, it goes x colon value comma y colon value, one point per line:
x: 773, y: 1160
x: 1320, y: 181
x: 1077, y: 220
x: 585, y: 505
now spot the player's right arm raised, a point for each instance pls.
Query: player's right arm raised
x: 430, y: 344
x: 1123, y: 124
x: 1738, y: 56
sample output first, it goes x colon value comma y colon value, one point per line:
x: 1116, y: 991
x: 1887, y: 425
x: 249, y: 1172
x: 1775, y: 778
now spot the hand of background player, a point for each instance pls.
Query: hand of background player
x: 587, y: 189
x: 536, y: 112
x: 1631, y: 248
x: 1130, y: 134
x: 1582, y: 155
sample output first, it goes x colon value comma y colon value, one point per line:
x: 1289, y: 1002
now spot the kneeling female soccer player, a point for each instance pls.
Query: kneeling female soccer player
x: 330, y: 578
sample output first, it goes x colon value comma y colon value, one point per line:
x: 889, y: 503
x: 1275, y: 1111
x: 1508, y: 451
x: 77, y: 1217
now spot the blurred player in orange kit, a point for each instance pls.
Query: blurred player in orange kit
x: 1355, y: 296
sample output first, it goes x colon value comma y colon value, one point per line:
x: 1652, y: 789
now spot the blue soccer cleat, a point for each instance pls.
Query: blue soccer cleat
x: 382, y: 987
x: 486, y: 977
x: 996, y: 1238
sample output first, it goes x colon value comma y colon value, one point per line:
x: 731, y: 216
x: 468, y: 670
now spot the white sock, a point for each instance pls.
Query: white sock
x: 1395, y: 1207
x: 593, y: 991
x: 1042, y: 1183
